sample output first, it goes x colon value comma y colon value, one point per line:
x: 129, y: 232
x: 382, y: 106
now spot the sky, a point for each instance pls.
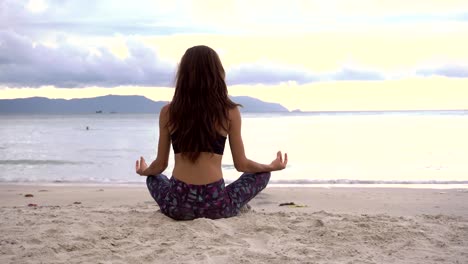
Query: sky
x: 313, y: 55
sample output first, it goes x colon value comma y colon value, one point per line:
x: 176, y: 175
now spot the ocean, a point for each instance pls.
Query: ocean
x: 402, y: 148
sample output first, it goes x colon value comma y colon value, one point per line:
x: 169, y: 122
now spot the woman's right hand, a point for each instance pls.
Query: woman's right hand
x: 141, y: 167
x: 279, y: 163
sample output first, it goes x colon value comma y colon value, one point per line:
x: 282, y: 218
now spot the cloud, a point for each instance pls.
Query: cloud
x: 103, y: 17
x: 462, y: 16
x: 267, y: 73
x: 349, y: 74
x: 452, y: 71
x: 162, y: 17
x: 24, y: 62
x: 270, y: 73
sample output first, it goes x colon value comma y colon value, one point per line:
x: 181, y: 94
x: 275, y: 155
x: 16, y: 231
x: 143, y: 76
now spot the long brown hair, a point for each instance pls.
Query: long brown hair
x: 200, y: 106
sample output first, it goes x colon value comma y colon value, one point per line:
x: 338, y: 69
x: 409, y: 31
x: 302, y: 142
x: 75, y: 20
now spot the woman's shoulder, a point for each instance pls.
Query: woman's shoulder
x: 165, y: 110
x: 234, y: 118
x: 164, y: 114
x: 166, y: 107
x: 234, y: 112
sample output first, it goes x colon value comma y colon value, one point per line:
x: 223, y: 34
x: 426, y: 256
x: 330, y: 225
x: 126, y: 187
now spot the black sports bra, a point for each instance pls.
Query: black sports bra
x: 218, y: 145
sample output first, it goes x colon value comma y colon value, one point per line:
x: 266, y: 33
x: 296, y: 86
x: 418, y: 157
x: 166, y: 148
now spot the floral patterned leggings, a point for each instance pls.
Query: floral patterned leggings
x: 182, y: 201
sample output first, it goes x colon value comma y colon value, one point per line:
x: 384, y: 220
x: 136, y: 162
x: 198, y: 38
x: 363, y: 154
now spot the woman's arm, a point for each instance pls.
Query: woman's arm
x: 164, y: 144
x: 241, y: 162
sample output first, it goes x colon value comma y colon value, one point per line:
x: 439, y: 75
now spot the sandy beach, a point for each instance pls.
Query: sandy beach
x: 112, y: 224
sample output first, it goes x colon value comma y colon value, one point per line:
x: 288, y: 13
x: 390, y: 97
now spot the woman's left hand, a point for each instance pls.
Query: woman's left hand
x: 141, y: 167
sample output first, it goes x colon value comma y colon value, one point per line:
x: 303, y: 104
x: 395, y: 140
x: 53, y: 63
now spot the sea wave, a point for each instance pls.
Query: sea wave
x: 272, y: 183
x: 108, y: 150
x: 351, y: 181
x: 461, y: 112
x: 228, y: 167
x: 42, y: 162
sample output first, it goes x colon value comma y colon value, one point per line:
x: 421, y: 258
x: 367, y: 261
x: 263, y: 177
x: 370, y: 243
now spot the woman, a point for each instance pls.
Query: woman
x: 198, y: 121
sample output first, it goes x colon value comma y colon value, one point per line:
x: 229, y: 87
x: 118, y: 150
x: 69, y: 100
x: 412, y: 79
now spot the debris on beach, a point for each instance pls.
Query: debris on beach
x: 28, y: 195
x: 32, y: 205
x: 292, y: 204
x: 77, y: 203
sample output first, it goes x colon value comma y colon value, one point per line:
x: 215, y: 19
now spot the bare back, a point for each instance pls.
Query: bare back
x: 206, y: 169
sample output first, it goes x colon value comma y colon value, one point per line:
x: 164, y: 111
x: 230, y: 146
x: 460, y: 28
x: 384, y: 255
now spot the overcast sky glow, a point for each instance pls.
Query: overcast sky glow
x: 313, y: 55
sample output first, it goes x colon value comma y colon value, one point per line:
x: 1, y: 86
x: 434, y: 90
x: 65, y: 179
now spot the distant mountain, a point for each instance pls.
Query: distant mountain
x: 251, y: 104
x: 112, y: 104
x: 105, y: 104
